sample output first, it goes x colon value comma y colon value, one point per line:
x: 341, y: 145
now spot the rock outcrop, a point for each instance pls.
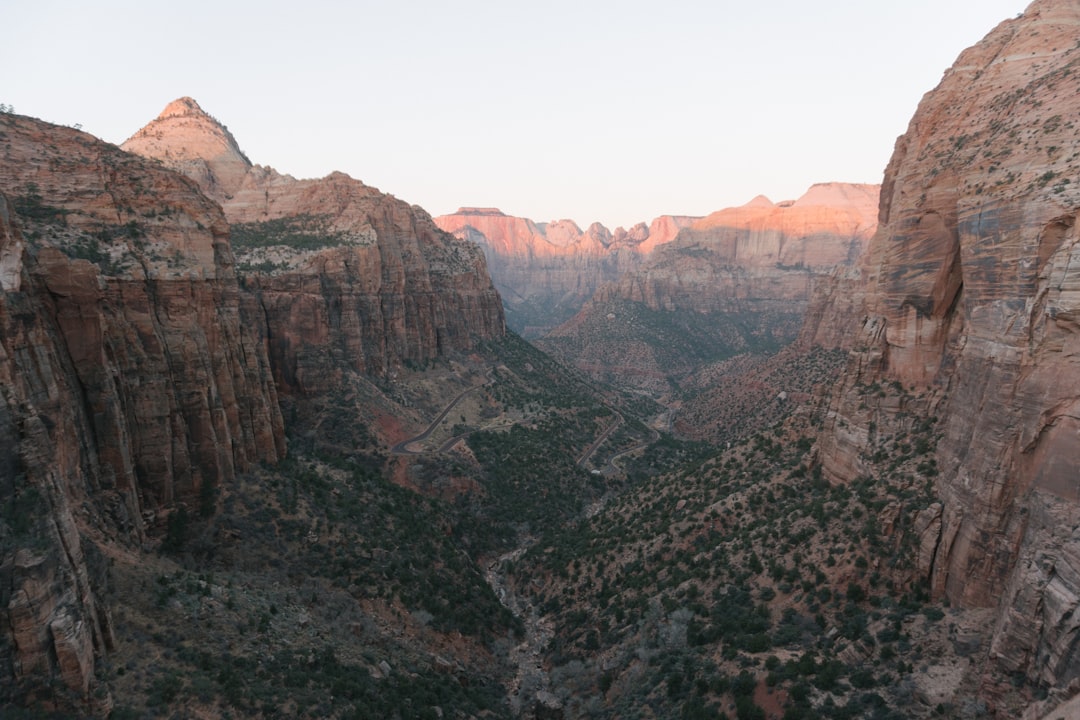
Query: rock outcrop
x: 130, y: 386
x: 139, y: 373
x: 971, y: 305
x: 739, y: 280
x: 344, y: 277
x: 546, y: 271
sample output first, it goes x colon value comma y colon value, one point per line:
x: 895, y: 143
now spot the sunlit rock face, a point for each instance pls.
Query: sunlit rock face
x: 546, y: 271
x: 970, y: 299
x: 739, y: 280
x: 344, y: 276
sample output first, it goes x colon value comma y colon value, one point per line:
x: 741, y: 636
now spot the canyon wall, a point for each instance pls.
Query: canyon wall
x: 144, y: 365
x: 131, y: 387
x: 739, y: 280
x: 546, y: 271
x: 970, y: 302
x: 343, y: 276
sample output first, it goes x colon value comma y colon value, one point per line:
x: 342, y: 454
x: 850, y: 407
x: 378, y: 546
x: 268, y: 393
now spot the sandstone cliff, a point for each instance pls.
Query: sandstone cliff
x: 546, y: 271
x: 971, y: 306
x: 130, y: 387
x: 343, y: 276
x: 739, y: 280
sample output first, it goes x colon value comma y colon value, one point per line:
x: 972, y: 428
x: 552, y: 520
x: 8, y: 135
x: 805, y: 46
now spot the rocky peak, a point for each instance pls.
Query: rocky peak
x: 599, y: 233
x: 186, y: 138
x: 182, y: 106
x: 857, y: 196
x: 393, y: 288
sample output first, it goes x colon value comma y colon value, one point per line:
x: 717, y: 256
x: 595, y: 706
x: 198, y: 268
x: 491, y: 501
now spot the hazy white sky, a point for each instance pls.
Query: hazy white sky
x: 609, y: 111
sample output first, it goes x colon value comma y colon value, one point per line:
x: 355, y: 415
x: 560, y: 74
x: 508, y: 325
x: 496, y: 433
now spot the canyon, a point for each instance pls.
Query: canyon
x: 546, y: 271
x: 267, y: 445
x: 736, y: 282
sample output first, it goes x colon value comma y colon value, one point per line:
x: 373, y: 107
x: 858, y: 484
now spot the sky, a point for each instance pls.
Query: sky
x: 585, y: 109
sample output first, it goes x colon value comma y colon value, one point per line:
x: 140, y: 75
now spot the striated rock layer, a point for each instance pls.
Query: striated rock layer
x: 972, y: 300
x: 546, y: 271
x: 129, y: 386
x: 343, y: 276
x: 137, y: 373
x: 739, y: 280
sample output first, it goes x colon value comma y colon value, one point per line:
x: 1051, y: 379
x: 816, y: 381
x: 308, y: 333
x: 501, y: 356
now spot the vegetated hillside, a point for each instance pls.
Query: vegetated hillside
x: 747, y: 585
x: 191, y: 525
x: 732, y: 399
x: 546, y: 271
x: 737, y: 282
x: 347, y: 581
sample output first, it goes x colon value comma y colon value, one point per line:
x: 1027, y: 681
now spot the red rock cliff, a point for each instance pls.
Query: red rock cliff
x: 972, y: 300
x: 128, y: 383
x: 546, y: 271
x: 739, y: 280
x: 343, y: 276
x: 760, y: 250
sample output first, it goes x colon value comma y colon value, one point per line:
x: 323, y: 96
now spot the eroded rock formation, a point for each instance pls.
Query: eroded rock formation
x: 130, y: 387
x: 738, y: 280
x: 343, y: 276
x: 138, y: 374
x: 546, y: 271
x: 971, y: 306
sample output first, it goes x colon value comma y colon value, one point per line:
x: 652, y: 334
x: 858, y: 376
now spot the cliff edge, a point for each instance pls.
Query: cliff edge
x: 970, y: 307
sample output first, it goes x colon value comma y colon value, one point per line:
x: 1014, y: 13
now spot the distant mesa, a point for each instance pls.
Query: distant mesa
x: 493, y: 212
x: 545, y: 271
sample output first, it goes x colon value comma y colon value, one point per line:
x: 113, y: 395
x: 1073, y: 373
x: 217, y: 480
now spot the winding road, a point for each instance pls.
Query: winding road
x: 402, y: 448
x: 612, y: 467
x: 600, y: 438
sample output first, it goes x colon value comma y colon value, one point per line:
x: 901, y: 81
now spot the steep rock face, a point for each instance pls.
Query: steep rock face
x: 828, y: 226
x: 546, y: 271
x: 129, y: 385
x: 738, y: 280
x: 756, y: 251
x: 344, y: 277
x: 971, y: 303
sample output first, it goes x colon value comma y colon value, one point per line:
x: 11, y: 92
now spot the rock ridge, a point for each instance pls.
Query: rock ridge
x: 346, y: 278
x: 546, y: 271
x: 739, y: 280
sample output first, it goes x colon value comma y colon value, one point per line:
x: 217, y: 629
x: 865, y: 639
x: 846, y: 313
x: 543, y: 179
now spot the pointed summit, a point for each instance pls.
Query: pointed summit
x: 185, y: 138
x: 181, y: 106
